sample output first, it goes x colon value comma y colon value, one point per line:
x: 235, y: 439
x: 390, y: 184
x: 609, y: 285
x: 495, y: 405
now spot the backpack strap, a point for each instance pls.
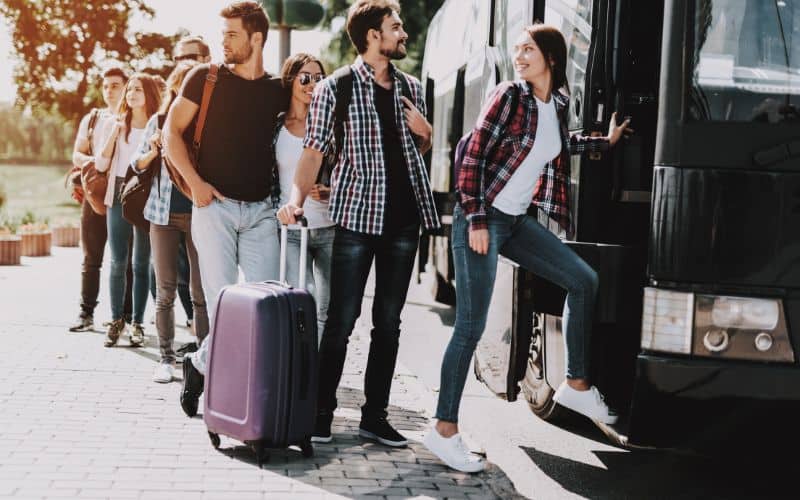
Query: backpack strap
x: 344, y: 94
x: 90, y: 132
x: 208, y: 89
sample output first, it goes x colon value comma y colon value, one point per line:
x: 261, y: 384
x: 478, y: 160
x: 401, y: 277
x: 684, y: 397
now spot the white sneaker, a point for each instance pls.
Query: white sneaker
x: 163, y: 373
x: 453, y: 452
x: 588, y: 403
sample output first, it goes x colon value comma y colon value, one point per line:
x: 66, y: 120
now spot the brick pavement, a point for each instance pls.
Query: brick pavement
x: 82, y: 421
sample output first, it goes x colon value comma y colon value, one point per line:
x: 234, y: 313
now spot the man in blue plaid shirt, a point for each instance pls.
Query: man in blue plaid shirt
x: 380, y: 197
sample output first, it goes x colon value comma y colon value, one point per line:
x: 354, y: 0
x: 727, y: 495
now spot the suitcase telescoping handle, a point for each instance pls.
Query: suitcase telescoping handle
x: 301, y: 282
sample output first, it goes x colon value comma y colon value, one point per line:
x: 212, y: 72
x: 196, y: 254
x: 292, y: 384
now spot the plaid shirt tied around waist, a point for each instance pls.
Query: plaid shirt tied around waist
x: 501, y: 140
x: 358, y: 181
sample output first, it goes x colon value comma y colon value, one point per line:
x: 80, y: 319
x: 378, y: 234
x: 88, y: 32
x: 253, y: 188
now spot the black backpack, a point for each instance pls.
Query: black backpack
x: 344, y: 95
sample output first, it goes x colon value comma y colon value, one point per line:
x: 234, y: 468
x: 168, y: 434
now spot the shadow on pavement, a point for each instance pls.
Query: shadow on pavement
x: 657, y: 474
x: 350, y: 465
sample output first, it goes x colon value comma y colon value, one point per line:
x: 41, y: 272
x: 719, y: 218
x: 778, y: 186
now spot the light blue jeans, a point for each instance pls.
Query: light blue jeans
x: 228, y: 235
x: 318, y: 267
x: 522, y: 239
x: 120, y: 233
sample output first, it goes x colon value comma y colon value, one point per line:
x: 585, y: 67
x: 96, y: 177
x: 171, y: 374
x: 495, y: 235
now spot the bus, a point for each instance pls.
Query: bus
x: 692, y: 223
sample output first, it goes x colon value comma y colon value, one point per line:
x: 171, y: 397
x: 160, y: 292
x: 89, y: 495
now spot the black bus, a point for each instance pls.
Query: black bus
x: 693, y: 223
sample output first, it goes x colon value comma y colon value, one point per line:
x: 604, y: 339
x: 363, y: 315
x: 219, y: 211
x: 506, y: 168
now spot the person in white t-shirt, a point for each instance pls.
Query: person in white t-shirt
x: 517, y: 155
x: 122, y: 138
x: 301, y: 73
x: 88, y: 143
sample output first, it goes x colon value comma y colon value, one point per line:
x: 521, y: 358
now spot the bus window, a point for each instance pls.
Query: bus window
x: 746, y: 61
x: 574, y: 19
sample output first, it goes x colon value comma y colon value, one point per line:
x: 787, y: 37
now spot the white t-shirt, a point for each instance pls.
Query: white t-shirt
x: 125, y: 151
x: 516, y: 195
x: 98, y: 137
x: 288, y: 149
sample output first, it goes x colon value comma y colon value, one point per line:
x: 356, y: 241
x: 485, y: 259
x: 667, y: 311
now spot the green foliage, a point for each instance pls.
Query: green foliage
x: 416, y: 15
x: 41, y: 137
x: 64, y: 45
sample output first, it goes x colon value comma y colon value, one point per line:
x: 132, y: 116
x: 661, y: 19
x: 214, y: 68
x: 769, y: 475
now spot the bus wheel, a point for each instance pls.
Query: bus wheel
x: 537, y: 391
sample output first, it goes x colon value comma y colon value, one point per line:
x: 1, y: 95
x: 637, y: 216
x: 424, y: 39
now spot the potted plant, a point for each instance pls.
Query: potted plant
x: 10, y: 244
x: 66, y: 234
x: 36, y: 236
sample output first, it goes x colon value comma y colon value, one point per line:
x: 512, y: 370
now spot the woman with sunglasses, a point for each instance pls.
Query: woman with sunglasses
x: 301, y: 73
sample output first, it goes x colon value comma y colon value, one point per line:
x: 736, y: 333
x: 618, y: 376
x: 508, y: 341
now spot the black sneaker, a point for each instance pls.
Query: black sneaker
x: 322, y: 429
x: 381, y: 430
x: 192, y: 388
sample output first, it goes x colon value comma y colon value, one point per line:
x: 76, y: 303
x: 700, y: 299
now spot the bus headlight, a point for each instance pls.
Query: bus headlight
x: 667, y: 321
x: 719, y: 326
x: 743, y: 313
x: 756, y: 328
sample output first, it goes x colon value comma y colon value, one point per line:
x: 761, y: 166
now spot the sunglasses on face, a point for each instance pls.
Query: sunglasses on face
x: 184, y: 57
x: 306, y: 78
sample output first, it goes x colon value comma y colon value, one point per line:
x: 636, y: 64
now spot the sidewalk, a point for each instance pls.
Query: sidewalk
x: 82, y: 421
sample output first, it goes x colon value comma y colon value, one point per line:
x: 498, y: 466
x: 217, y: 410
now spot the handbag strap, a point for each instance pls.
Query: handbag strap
x: 90, y: 132
x: 208, y: 89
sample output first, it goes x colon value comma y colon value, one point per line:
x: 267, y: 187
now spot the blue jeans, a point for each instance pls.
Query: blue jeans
x: 525, y: 241
x: 318, y: 267
x: 353, y: 254
x: 228, y: 235
x: 119, y: 234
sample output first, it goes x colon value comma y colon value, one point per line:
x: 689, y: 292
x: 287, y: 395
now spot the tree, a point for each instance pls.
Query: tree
x: 64, y: 45
x: 416, y: 15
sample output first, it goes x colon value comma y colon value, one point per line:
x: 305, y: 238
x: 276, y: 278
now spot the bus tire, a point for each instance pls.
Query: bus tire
x: 535, y: 388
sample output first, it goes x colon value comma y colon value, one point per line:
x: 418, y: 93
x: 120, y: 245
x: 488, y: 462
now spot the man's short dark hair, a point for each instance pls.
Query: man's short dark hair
x: 116, y: 71
x: 365, y: 15
x: 205, y: 51
x: 254, y: 18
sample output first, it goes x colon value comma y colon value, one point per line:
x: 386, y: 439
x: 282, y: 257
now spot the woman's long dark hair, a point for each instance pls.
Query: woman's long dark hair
x: 152, y: 99
x: 554, y: 49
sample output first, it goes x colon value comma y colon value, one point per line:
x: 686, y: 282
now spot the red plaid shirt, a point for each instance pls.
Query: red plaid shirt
x: 501, y: 140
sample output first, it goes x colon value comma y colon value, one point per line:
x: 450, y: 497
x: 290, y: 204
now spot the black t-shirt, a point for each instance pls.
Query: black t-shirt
x: 401, y: 204
x: 236, y: 147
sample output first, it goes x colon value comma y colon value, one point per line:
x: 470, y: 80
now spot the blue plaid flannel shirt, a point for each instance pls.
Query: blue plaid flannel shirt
x: 156, y: 210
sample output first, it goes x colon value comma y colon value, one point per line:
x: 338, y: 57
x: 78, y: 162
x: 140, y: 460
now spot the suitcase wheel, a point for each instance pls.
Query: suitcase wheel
x: 307, y: 448
x: 260, y: 450
x: 214, y: 439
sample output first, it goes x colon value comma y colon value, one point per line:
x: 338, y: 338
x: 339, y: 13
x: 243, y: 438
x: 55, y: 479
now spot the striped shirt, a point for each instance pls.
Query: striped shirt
x: 358, y: 181
x: 500, y: 142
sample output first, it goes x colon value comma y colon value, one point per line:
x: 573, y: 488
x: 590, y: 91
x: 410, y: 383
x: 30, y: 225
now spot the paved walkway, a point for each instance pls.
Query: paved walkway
x: 82, y: 421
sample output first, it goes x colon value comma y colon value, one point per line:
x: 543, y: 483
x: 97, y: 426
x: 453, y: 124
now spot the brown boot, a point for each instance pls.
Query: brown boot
x: 115, y: 329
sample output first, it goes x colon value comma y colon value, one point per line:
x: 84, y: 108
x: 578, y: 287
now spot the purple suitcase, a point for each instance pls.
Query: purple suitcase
x: 261, y: 383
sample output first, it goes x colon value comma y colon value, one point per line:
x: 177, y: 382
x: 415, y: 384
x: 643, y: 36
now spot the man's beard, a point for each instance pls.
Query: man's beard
x: 395, y: 54
x: 239, y: 57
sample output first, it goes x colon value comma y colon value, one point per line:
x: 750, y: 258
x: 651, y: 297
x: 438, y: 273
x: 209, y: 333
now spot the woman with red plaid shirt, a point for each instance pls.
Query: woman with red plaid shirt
x: 518, y: 154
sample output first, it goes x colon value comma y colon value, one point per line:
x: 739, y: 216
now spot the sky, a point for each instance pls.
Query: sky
x: 198, y: 16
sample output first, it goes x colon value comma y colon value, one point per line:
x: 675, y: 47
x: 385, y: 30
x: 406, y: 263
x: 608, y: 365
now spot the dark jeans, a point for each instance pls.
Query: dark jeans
x: 94, y: 234
x: 353, y: 254
x: 522, y: 239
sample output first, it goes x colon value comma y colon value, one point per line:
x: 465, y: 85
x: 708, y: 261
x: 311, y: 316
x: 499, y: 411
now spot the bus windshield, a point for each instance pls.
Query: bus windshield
x: 746, y: 61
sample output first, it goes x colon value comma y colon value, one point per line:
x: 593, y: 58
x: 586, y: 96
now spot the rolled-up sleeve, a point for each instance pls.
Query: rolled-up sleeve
x: 319, y: 122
